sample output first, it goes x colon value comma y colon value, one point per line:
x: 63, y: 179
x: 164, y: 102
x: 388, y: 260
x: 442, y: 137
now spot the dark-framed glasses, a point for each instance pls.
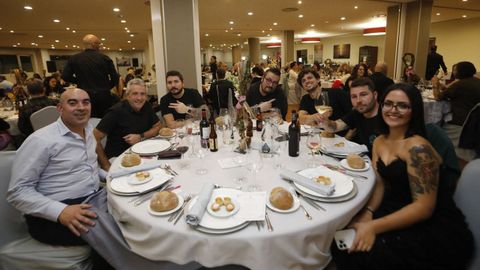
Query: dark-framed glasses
x: 402, y: 107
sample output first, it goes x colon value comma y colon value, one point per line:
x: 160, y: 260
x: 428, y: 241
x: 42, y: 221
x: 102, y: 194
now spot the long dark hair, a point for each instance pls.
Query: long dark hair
x: 417, y: 122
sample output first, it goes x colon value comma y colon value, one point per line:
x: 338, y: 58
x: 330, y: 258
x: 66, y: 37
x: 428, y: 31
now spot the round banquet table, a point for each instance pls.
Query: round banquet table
x: 11, y: 117
x: 295, y: 243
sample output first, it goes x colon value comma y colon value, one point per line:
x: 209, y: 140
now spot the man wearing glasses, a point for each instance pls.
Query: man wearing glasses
x: 267, y: 93
x: 361, y: 120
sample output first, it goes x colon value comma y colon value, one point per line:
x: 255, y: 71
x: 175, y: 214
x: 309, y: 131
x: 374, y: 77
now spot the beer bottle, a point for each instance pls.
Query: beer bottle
x: 294, y: 136
x: 212, y: 140
x: 204, y: 130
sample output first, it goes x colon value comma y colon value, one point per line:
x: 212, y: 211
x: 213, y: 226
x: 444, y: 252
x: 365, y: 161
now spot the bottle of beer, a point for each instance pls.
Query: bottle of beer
x: 294, y: 136
x: 259, y: 126
x: 204, y: 130
x: 212, y: 139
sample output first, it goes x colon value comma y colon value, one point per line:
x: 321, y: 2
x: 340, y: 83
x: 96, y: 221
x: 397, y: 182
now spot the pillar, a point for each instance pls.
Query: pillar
x: 236, y: 54
x: 254, y: 50
x: 288, y: 47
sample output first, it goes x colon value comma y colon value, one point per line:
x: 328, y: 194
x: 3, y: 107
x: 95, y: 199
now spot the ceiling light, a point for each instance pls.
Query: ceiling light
x: 102, y: 39
x: 57, y: 41
x: 68, y: 28
x: 56, y: 20
x: 299, y: 2
x: 300, y: 16
x: 40, y: 36
x: 73, y: 31
x: 66, y: 46
x: 268, y: 35
x: 133, y: 48
x: 243, y: 58
x: 326, y: 21
x: 464, y: 0
x: 438, y: 14
x: 263, y: 31
x: 310, y: 40
x: 128, y: 31
x: 250, y: 13
x: 126, y: 28
x: 238, y: 35
x: 120, y: 49
x: 270, y: 29
x: 123, y: 21
x: 312, y: 25
x: 226, y: 30
x: 27, y: 7
x: 18, y: 43
x: 11, y: 31
x: 128, y: 41
x: 464, y: 16
x: 274, y: 45
x: 132, y: 35
x: 33, y: 43
x: 376, y: 31
x: 355, y: 7
x: 343, y: 18
x: 275, y: 23
x: 231, y: 28
x: 206, y: 35
x: 14, y: 45
x: 116, y: 10
x: 231, y: 22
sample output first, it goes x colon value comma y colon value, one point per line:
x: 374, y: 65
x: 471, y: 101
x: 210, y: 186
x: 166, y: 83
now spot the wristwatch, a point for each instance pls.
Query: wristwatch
x: 142, y: 136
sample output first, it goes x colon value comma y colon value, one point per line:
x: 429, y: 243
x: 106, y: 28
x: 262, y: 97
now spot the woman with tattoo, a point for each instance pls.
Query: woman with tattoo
x: 411, y: 221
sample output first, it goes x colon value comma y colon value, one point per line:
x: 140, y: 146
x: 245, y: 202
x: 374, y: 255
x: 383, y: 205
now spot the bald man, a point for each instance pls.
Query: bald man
x: 380, y: 79
x: 94, y: 72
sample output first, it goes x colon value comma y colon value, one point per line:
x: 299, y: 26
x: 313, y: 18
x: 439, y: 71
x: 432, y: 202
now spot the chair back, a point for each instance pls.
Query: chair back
x: 44, y: 117
x: 13, y: 224
x: 468, y: 200
x: 94, y: 122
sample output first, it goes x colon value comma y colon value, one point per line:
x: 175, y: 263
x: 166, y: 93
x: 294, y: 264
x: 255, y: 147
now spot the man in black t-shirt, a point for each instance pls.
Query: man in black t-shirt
x: 126, y: 123
x: 267, y: 93
x: 362, y: 119
x: 179, y: 101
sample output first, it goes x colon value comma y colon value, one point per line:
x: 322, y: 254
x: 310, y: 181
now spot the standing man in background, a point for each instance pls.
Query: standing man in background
x: 95, y: 73
x: 434, y: 61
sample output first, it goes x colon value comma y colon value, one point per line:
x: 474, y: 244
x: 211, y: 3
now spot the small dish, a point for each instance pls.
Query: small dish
x: 344, y: 164
x: 295, y: 206
x: 165, y: 213
x: 222, y: 212
x: 134, y: 180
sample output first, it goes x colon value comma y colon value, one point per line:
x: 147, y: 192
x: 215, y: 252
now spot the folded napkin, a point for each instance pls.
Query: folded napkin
x: 143, y: 167
x: 171, y: 154
x: 199, y: 208
x: 307, y: 182
x: 347, y: 149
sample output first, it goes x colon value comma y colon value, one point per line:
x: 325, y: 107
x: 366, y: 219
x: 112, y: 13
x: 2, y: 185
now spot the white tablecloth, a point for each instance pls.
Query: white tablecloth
x: 436, y: 111
x: 12, y: 119
x: 296, y: 242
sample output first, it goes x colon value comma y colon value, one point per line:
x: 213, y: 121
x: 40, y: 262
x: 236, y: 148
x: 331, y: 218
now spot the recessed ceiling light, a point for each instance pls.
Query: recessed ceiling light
x: 56, y: 40
x: 73, y: 31
x: 123, y: 21
x: 250, y: 13
x: 120, y: 49
x: 102, y: 39
x: 66, y: 46
x: 312, y: 25
x: 56, y: 20
x: 1, y: 28
x: 238, y: 35
x: 33, y: 43
x: 128, y: 31
x: 226, y: 30
x: 14, y: 45
x: 132, y: 35
x: 116, y: 10
x: 133, y: 48
x: 464, y: 16
x: 263, y: 31
x: 326, y: 21
x: 104, y: 47
x: 126, y: 28
x: 231, y: 28
x: 206, y: 35
x: 270, y: 29
x: 128, y: 41
x: 68, y: 28
x: 300, y: 16
x: 268, y: 35
x: 355, y: 7
x: 275, y: 23
x: 40, y: 36
x: 464, y: 0
x: 11, y: 31
x: 210, y: 45
x: 299, y: 2
x: 438, y: 14
x: 27, y: 7
x: 343, y: 18
x: 231, y: 22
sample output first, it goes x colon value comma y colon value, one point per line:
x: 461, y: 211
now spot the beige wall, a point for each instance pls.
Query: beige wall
x: 458, y: 40
x: 355, y: 41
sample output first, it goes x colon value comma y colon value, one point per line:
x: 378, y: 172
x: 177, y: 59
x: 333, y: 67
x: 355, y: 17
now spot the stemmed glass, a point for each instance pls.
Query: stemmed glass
x: 322, y: 103
x: 254, y: 166
x: 314, y: 143
x: 201, y: 155
x: 180, y: 131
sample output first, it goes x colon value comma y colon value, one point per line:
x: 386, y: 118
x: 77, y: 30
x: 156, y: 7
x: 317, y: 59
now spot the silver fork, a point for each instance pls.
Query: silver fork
x: 170, y: 169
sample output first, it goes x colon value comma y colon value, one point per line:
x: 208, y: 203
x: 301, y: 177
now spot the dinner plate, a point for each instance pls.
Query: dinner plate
x: 340, y: 147
x: 120, y: 185
x: 150, y: 147
x: 133, y: 180
x: 345, y: 165
x: 224, y: 231
x: 295, y: 206
x: 347, y: 197
x: 156, y: 213
x: 343, y: 183
x: 223, y: 212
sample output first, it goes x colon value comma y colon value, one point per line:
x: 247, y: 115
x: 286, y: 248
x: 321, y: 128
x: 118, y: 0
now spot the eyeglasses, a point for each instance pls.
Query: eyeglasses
x: 400, y: 106
x: 271, y: 82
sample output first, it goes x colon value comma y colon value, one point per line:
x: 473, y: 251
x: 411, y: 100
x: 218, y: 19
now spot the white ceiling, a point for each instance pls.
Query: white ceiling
x: 98, y: 17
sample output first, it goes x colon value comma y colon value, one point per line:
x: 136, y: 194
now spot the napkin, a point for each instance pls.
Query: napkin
x: 307, y: 182
x: 199, y: 208
x: 347, y: 149
x: 171, y: 154
x: 143, y: 167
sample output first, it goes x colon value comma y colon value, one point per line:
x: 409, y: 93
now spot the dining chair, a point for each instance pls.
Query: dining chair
x: 471, y: 128
x: 18, y: 250
x: 467, y: 199
x: 44, y: 117
x: 94, y: 122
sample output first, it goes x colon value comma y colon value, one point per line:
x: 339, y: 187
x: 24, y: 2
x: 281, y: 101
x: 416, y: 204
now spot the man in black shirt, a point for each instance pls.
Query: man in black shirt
x: 219, y: 92
x: 95, y: 73
x: 267, y: 93
x: 380, y: 79
x: 434, y: 62
x: 364, y: 116
x: 126, y: 123
x: 179, y: 101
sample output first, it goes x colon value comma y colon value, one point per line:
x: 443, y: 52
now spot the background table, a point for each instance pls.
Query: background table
x: 296, y: 243
x: 12, y: 119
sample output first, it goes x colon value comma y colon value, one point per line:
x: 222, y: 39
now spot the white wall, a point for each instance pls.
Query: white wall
x: 458, y: 40
x: 355, y: 41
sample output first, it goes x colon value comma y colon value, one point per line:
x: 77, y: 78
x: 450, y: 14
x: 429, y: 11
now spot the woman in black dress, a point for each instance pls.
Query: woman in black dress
x: 411, y: 221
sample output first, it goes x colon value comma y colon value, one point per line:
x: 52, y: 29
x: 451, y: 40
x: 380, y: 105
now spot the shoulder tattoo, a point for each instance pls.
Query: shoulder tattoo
x: 425, y: 177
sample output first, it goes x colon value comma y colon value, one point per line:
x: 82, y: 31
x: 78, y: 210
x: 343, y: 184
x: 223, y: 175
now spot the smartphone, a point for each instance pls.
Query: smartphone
x: 344, y: 238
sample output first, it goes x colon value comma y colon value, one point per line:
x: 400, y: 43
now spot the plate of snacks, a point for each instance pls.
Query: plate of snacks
x: 223, y: 206
x: 140, y: 178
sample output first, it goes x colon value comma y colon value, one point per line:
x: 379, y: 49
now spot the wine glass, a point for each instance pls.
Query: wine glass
x: 314, y: 143
x: 254, y: 166
x: 201, y: 155
x: 225, y: 125
x: 180, y: 131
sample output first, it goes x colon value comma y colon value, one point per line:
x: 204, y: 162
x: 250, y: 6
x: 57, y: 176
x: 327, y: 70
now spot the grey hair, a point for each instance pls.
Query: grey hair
x: 132, y: 82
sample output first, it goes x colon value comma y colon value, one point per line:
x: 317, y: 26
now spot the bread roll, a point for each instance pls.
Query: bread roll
x: 355, y: 161
x: 166, y: 132
x: 130, y: 160
x: 163, y: 201
x: 326, y: 134
x: 324, y: 180
x: 280, y: 198
x: 142, y: 176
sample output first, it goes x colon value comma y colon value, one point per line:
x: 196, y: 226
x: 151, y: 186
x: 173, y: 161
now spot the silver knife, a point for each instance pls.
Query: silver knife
x: 147, y: 196
x: 269, y: 224
x: 180, y: 213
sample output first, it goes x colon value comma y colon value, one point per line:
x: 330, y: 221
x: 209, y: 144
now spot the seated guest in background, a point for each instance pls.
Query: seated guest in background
x: 411, y: 221
x: 362, y: 118
x: 380, y: 79
x: 309, y: 80
x: 5, y: 86
x: 463, y: 95
x: 219, y: 92
x: 126, y: 123
x: 360, y: 70
x: 179, y: 101
x: 130, y: 74
x: 51, y: 85
x: 256, y: 74
x: 409, y: 76
x: 267, y: 93
x: 37, y: 101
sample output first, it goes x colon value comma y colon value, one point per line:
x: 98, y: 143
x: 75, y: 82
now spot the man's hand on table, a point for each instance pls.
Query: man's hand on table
x: 132, y: 138
x: 77, y: 218
x: 180, y: 107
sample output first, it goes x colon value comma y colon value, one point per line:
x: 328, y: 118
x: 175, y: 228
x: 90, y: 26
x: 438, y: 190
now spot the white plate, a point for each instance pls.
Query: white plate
x: 120, y: 185
x: 150, y: 147
x: 155, y: 213
x: 133, y: 180
x: 295, y: 206
x: 225, y: 231
x: 222, y: 212
x: 344, y: 164
x: 347, y: 197
x: 343, y: 183
x: 121, y: 166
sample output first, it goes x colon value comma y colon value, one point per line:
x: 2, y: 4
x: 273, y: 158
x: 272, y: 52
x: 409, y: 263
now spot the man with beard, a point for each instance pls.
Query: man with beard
x: 267, y: 93
x: 179, y: 101
x: 364, y: 116
x: 309, y: 79
x: 126, y: 123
